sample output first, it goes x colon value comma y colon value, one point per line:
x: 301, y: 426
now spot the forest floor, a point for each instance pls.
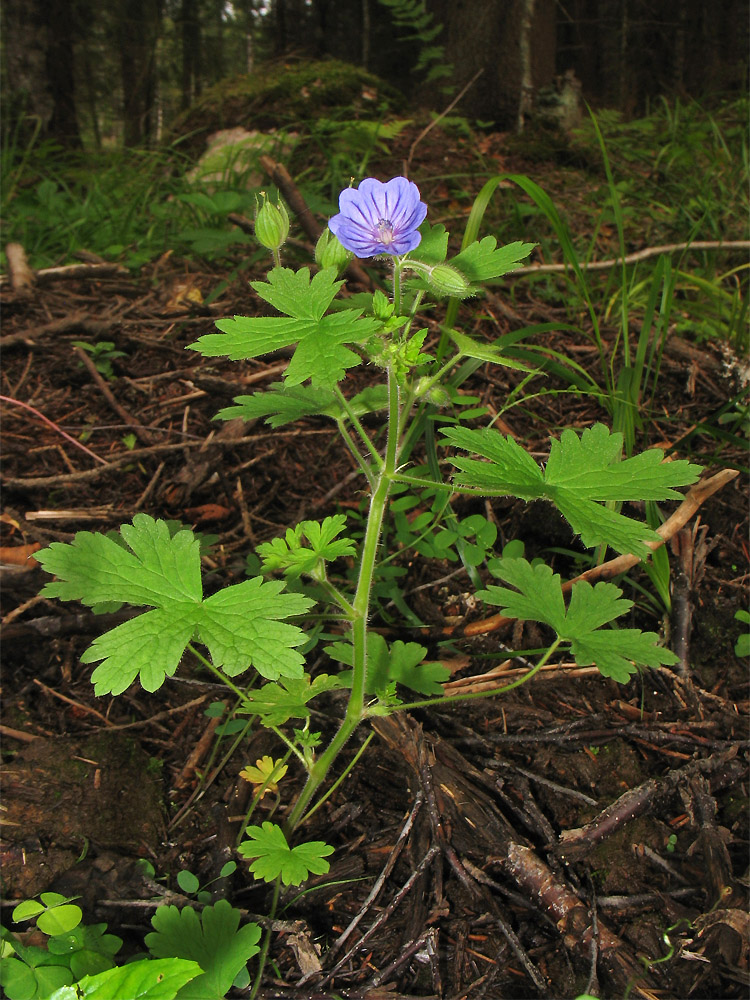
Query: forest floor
x: 472, y: 821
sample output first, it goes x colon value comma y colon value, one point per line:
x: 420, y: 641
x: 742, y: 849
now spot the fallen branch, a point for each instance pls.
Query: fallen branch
x: 636, y: 801
x: 47, y: 274
x: 477, y: 828
x: 632, y: 258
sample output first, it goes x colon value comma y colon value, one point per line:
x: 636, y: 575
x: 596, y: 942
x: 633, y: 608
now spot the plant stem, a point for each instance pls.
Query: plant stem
x: 471, y: 695
x: 263, y: 956
x: 358, y: 427
x: 355, y: 711
x: 242, y: 695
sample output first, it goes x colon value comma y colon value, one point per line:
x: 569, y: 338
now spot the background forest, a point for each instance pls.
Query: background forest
x: 99, y: 75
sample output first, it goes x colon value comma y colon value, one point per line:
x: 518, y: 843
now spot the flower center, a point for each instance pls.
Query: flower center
x: 384, y: 230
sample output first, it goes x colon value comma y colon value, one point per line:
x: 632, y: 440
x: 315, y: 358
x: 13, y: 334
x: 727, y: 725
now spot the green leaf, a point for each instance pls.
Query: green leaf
x: 433, y: 248
x: 283, y: 404
x: 582, y: 472
x: 742, y: 646
x: 277, y: 703
x: 241, y: 625
x: 214, y: 940
x: 401, y: 663
x: 27, y: 910
x: 539, y: 597
x: 59, y: 919
x: 145, y: 980
x: 274, y: 856
x: 89, y: 948
x: 188, y: 882
x: 293, y: 557
x: 484, y: 259
x: 469, y: 348
x: 320, y: 354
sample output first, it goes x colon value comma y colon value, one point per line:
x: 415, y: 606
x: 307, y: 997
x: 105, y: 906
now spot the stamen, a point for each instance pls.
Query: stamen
x: 385, y: 231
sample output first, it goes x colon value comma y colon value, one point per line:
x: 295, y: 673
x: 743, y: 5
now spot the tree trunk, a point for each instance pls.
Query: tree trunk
x: 190, y: 30
x: 137, y: 33
x: 39, y: 37
x: 487, y: 35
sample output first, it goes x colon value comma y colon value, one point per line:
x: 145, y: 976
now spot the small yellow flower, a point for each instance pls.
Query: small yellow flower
x: 260, y: 774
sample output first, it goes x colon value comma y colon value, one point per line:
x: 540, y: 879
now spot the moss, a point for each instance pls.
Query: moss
x: 281, y: 94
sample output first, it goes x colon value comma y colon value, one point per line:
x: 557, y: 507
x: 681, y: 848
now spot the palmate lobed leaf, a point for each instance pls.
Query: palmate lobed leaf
x: 321, y: 354
x: 283, y: 404
x: 242, y: 625
x: 280, y: 701
x: 582, y: 472
x: 292, y: 556
x: 484, y: 259
x: 214, y: 940
x: 274, y: 857
x: 539, y: 597
x: 401, y: 663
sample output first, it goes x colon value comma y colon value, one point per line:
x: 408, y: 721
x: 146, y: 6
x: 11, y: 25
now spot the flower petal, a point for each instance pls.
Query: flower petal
x: 375, y: 212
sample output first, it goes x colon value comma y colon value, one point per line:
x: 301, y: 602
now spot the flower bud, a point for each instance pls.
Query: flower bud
x: 271, y: 224
x: 446, y: 280
x: 330, y: 253
x: 436, y: 394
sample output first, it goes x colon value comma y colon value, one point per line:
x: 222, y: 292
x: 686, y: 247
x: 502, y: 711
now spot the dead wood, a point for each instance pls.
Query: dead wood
x: 636, y: 801
x: 631, y: 258
x: 21, y: 275
x: 473, y: 825
x: 47, y: 274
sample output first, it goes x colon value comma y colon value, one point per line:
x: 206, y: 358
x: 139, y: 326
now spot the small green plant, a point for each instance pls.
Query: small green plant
x: 102, y: 353
x: 251, y: 635
x: 79, y: 959
x: 191, y: 884
x: 742, y: 646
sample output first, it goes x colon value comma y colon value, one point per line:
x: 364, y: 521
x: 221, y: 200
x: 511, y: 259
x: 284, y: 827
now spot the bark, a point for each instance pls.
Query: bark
x: 190, y: 32
x: 137, y: 34
x: 39, y: 80
x: 489, y: 36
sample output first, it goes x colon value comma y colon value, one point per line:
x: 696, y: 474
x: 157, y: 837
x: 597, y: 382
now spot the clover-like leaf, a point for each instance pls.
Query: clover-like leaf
x: 401, y: 663
x: 89, y: 949
x: 484, y: 259
x: 274, y: 857
x: 214, y: 940
x: 242, y: 625
x: 276, y: 703
x: 583, y: 472
x: 293, y: 557
x: 539, y: 597
x: 321, y: 354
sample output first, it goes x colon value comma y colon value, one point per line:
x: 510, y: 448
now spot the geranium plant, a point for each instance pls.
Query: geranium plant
x: 249, y: 634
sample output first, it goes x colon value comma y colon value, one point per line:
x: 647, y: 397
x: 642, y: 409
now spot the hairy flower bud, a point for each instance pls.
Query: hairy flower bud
x: 271, y: 224
x: 330, y: 253
x: 446, y: 280
x: 436, y: 394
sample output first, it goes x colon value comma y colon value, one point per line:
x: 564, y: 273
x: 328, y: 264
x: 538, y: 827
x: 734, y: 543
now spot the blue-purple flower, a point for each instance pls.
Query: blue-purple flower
x: 379, y: 218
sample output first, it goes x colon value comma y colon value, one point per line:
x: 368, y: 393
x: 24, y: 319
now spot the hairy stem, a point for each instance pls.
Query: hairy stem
x: 355, y: 711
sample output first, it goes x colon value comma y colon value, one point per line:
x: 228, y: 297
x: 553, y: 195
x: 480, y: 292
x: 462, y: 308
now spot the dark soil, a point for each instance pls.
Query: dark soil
x: 472, y: 811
